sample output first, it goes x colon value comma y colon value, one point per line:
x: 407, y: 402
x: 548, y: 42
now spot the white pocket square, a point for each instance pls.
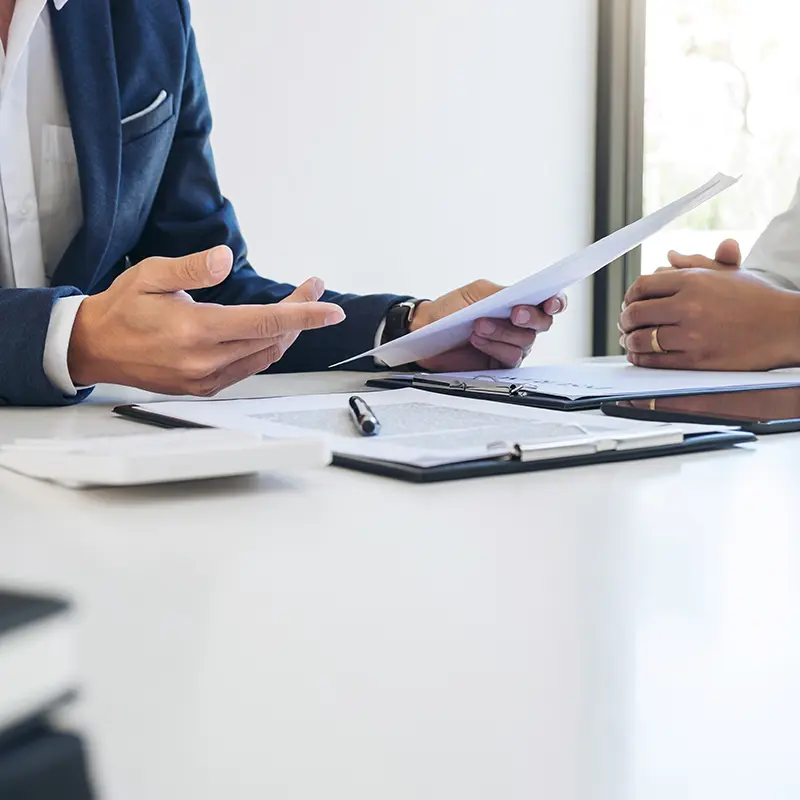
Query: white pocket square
x: 159, y: 101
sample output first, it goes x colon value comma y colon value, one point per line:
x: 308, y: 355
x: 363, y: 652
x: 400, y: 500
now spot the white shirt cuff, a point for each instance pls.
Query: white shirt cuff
x: 379, y: 341
x: 56, y: 347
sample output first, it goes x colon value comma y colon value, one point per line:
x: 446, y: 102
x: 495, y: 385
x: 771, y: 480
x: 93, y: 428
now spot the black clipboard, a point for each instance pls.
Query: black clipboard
x: 699, y: 443
x: 524, y: 396
x: 537, y: 400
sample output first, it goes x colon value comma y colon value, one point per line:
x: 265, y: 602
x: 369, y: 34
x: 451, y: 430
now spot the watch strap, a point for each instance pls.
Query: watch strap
x: 398, y: 319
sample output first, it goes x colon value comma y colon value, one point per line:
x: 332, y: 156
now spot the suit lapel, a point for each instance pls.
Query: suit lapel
x: 84, y: 39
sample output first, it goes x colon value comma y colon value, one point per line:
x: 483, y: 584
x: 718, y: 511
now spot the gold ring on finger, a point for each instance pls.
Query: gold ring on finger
x: 656, y: 345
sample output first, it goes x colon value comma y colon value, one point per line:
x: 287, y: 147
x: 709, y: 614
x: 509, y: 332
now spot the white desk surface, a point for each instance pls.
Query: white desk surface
x: 625, y: 632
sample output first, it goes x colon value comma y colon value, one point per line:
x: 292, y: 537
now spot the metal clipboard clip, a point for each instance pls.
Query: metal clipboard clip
x: 480, y: 384
x: 544, y: 450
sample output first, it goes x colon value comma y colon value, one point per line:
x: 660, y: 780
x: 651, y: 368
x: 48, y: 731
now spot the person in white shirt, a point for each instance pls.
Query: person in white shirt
x: 121, y: 261
x: 721, y: 313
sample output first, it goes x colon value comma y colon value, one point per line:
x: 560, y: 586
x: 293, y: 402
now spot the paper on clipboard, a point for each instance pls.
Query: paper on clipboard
x: 455, y: 330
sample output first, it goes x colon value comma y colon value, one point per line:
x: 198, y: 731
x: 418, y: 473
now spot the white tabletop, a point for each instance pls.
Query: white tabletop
x: 624, y: 631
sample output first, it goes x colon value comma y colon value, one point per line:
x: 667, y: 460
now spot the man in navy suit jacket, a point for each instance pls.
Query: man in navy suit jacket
x: 171, y: 302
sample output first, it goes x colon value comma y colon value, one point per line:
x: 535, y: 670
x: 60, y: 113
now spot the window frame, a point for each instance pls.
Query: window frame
x: 619, y: 156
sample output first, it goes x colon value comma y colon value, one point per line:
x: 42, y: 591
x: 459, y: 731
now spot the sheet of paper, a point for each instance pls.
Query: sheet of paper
x: 417, y: 428
x: 601, y: 378
x: 454, y: 330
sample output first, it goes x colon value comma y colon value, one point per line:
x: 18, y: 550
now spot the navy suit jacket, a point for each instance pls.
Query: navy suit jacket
x: 149, y: 188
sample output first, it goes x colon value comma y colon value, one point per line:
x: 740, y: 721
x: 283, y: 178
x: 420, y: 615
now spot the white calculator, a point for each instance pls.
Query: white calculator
x: 160, y: 457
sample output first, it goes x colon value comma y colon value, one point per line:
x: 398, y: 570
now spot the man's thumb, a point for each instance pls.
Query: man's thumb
x: 197, y: 271
x: 729, y: 253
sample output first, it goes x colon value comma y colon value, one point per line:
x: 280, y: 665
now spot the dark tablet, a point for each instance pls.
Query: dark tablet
x: 755, y: 410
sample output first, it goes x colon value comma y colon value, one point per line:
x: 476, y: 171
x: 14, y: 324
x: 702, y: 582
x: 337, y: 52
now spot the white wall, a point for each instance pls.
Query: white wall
x: 407, y: 145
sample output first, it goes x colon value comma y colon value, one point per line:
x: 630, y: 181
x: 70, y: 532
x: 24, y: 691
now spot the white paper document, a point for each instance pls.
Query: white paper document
x: 618, y: 378
x: 426, y: 430
x: 455, y: 330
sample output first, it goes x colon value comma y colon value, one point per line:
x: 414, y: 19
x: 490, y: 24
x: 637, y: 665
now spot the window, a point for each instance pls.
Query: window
x: 688, y: 88
x: 722, y: 83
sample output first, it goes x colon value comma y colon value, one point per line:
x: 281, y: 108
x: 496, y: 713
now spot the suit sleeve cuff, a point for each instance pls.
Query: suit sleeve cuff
x: 56, y: 348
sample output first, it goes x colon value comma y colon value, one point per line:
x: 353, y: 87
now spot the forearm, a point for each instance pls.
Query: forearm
x: 786, y: 318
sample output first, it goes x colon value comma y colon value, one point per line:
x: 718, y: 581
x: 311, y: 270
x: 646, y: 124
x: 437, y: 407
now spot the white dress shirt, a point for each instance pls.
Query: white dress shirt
x: 776, y: 254
x: 41, y: 210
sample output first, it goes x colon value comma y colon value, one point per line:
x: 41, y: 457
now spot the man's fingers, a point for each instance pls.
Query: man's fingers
x: 649, y: 313
x: 203, y: 362
x: 239, y: 370
x: 197, y: 271
x: 233, y: 323
x: 209, y: 364
x: 508, y: 355
x: 555, y: 305
x: 532, y: 318
x: 659, y: 284
x: 308, y: 292
x: 228, y: 353
x: 501, y: 330
x: 290, y: 318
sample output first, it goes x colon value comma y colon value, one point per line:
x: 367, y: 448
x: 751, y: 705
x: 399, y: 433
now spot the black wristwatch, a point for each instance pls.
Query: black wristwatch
x: 398, y: 319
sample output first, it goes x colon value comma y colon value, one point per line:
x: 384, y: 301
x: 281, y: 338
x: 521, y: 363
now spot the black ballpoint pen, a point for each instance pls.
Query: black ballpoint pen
x: 364, y: 417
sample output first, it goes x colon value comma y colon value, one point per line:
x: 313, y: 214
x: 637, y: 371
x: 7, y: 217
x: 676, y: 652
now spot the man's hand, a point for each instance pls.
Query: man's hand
x: 708, y: 319
x: 728, y: 256
x: 146, y: 331
x: 495, y: 343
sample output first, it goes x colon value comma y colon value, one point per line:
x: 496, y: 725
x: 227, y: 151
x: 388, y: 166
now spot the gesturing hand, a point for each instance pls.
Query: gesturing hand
x: 146, y: 331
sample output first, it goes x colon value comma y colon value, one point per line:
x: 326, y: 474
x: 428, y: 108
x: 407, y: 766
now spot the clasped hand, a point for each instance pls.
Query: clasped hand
x: 709, y: 314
